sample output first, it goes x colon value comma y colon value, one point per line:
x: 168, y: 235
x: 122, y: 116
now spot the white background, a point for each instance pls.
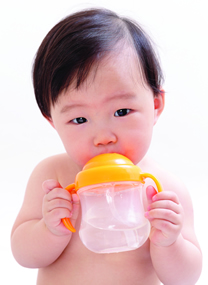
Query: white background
x: 180, y: 30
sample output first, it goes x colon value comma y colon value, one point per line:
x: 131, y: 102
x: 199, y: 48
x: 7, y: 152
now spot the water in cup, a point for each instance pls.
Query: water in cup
x: 113, y: 214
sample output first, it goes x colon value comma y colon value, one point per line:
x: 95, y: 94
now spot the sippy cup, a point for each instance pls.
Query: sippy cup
x: 110, y: 192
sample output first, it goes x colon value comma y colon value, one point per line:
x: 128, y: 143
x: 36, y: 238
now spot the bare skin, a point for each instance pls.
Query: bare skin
x: 113, y: 111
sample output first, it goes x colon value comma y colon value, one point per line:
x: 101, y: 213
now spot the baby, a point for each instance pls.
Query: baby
x: 98, y: 82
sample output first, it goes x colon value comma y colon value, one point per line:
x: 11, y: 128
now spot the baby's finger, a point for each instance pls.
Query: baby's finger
x: 59, y: 193
x: 166, y: 195
x: 59, y: 203
x: 163, y: 215
x: 54, y: 217
x: 165, y: 204
x: 150, y: 192
x: 165, y: 227
x: 49, y: 185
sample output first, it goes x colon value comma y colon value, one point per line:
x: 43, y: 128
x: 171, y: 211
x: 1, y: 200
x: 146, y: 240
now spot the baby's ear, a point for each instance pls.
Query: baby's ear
x: 159, y: 104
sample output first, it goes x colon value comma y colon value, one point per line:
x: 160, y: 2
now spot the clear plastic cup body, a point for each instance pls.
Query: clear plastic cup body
x: 113, y: 217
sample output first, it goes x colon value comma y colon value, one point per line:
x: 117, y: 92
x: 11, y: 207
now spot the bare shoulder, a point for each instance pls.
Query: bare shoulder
x: 169, y: 181
x: 59, y: 167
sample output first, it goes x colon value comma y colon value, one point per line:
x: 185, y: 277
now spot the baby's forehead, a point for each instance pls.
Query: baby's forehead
x: 117, y: 74
x: 117, y: 62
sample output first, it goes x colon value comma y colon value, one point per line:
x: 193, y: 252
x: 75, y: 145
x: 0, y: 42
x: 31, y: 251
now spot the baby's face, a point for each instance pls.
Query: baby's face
x: 114, y: 111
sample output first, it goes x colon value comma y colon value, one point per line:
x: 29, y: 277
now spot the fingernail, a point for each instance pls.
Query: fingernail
x: 146, y: 214
x: 154, y: 198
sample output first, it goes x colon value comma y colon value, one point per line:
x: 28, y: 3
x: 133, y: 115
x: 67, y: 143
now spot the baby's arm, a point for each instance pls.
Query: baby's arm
x: 38, y: 236
x: 174, y: 248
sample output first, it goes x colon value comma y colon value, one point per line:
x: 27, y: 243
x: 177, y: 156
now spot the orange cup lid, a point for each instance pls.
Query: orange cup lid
x: 108, y: 167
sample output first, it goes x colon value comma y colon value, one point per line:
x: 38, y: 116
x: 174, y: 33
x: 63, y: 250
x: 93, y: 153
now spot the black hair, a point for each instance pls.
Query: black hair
x: 82, y: 39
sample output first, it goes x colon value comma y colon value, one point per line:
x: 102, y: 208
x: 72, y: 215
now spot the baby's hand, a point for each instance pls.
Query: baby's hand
x: 58, y: 203
x: 165, y: 214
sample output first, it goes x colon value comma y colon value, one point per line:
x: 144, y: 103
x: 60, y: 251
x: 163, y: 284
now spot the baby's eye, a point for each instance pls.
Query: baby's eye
x: 122, y: 112
x: 79, y: 120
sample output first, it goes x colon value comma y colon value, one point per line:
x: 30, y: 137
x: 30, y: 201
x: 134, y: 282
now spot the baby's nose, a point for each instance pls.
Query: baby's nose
x: 104, y: 137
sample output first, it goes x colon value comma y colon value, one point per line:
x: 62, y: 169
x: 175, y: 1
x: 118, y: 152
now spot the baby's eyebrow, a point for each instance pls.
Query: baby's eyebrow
x: 121, y: 96
x: 67, y: 108
x: 126, y: 96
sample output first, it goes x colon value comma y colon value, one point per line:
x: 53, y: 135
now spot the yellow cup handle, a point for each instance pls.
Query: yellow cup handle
x: 148, y: 175
x: 66, y: 221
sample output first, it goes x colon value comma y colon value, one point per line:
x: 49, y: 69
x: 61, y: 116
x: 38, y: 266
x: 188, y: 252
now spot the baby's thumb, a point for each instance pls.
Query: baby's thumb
x: 150, y: 192
x: 49, y: 185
